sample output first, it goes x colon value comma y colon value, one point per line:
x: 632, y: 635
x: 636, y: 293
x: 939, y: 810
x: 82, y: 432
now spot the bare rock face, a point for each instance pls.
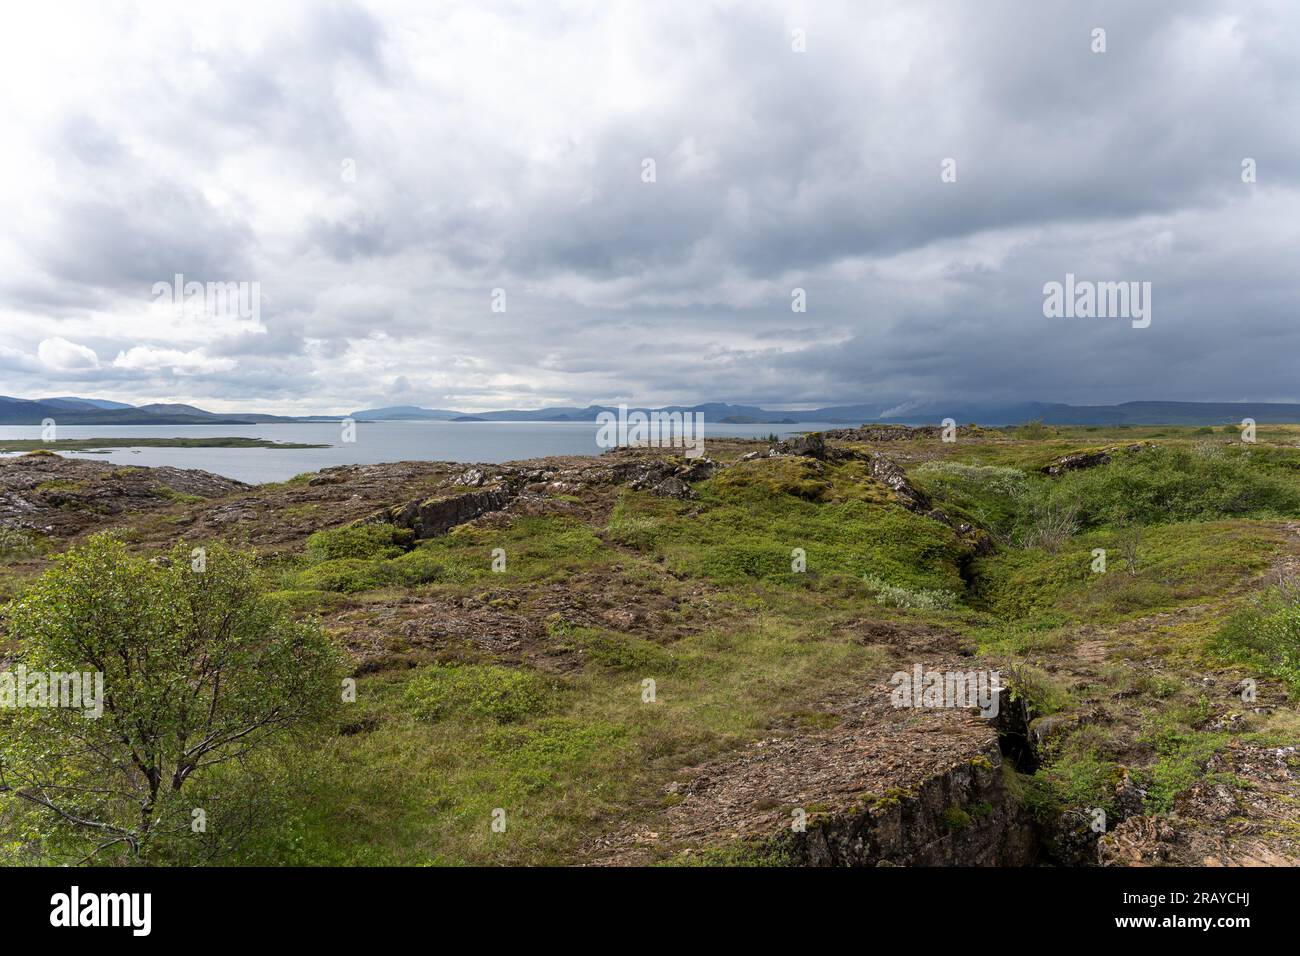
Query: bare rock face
x: 1077, y: 462
x: 1070, y: 839
x: 812, y: 445
x: 887, y: 472
x: 653, y: 472
x: 431, y: 517
x: 1088, y: 459
x: 472, y: 478
x: 673, y: 488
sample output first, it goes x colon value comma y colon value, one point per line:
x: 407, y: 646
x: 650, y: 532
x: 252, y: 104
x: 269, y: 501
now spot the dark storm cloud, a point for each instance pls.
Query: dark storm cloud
x: 143, y: 238
x: 380, y: 169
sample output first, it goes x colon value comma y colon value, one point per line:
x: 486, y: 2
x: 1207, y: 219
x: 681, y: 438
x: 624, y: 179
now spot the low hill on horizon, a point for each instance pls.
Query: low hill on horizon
x: 69, y: 410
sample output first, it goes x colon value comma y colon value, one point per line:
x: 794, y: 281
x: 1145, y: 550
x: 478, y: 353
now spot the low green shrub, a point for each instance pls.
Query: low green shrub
x: 1164, y: 484
x: 367, y: 541
x: 345, y: 574
x: 16, y: 544
x: 1265, y: 636
x: 477, y: 691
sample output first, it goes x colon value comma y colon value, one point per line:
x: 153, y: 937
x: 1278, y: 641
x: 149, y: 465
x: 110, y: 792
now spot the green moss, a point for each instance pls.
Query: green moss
x: 548, y: 749
x: 800, y: 477
x: 347, y: 575
x: 478, y: 691
x: 61, y: 484
x: 892, y: 797
x: 375, y: 556
x: 621, y: 652
x: 366, y: 541
x: 1038, y: 689
x: 955, y: 819
x: 734, y: 537
x: 817, y: 720
x: 990, y: 496
x: 742, y: 853
x: 180, y: 497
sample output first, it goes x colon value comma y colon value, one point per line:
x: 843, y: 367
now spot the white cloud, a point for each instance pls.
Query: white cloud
x: 180, y: 363
x: 63, y: 356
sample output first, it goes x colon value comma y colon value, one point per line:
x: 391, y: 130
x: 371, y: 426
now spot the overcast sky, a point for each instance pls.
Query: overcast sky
x: 380, y: 168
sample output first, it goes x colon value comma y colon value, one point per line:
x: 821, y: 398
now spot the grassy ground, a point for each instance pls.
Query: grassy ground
x: 659, y: 634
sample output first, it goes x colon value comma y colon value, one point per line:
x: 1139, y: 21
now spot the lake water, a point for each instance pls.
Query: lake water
x: 375, y: 442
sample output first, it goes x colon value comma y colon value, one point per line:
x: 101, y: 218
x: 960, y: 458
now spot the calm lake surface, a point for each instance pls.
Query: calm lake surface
x: 375, y: 442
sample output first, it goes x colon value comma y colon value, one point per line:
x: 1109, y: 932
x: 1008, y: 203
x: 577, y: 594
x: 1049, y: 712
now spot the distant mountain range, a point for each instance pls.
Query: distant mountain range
x: 94, y: 411
x: 1006, y: 413
x: 68, y: 410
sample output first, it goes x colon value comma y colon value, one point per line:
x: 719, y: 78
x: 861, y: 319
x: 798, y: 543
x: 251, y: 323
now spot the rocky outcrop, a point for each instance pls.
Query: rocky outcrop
x: 882, y: 469
x: 883, y: 433
x: 964, y: 816
x: 1088, y: 459
x: 1076, y: 462
x: 812, y: 445
x: 52, y: 494
x: 512, y: 489
x: 887, y: 472
x: 431, y: 517
x: 1242, y: 813
x: 654, y: 472
x: 873, y: 785
x: 673, y: 488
